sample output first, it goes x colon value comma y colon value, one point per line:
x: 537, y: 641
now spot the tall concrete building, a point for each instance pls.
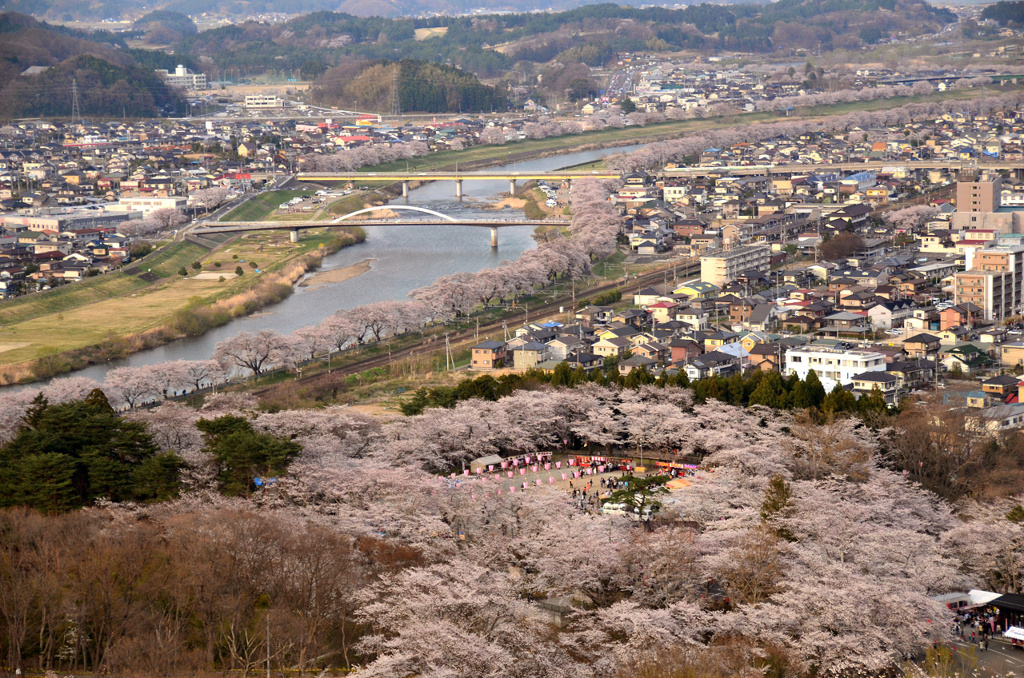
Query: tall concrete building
x: 719, y: 268
x: 979, y: 195
x: 994, y: 281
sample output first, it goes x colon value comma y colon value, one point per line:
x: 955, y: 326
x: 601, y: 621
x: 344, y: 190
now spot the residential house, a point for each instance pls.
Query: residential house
x: 886, y: 383
x: 488, y: 355
x: 529, y: 355
x: 923, y: 345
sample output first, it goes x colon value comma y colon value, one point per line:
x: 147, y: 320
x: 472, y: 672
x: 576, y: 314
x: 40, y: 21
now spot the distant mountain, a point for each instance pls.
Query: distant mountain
x: 491, y: 45
x: 111, y: 79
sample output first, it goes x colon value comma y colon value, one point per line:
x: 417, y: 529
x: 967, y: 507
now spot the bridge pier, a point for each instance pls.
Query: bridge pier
x: 458, y: 189
x: 494, y: 237
x: 293, y: 236
x: 405, y: 189
x: 512, y: 187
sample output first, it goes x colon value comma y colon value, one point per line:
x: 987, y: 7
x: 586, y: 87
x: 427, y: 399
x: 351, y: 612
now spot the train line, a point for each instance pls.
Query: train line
x: 547, y: 308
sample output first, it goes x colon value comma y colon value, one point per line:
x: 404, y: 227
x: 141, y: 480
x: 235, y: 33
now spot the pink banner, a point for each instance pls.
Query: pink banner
x: 600, y: 469
x: 490, y: 467
x: 550, y: 480
x: 547, y: 467
x: 538, y: 481
x: 522, y: 471
x: 504, y: 464
x: 563, y: 476
x: 558, y: 464
x: 511, y: 490
x: 534, y: 468
x: 510, y: 474
x: 479, y: 471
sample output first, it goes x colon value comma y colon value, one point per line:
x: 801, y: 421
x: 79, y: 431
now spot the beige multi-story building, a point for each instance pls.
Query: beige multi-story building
x: 719, y: 268
x: 994, y: 281
x: 983, y: 195
x: 184, y: 78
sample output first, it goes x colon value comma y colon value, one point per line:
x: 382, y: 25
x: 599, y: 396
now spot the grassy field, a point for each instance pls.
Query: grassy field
x: 87, y: 313
x: 483, y: 155
x: 168, y: 261
x: 262, y: 206
x: 61, y: 299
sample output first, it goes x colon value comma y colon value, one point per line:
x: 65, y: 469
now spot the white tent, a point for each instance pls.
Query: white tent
x: 982, y: 597
x: 1015, y: 633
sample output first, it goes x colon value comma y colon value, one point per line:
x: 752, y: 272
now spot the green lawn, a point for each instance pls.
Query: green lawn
x: 261, y: 207
x: 69, y: 296
x: 168, y: 261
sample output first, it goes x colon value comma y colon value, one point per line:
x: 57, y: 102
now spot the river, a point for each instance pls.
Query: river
x: 406, y: 257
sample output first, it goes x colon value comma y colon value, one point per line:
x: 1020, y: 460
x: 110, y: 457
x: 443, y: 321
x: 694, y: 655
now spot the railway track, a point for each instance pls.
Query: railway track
x: 547, y: 308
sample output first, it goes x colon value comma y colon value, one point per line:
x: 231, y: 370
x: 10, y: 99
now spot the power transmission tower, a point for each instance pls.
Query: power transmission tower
x: 396, y: 108
x: 76, y: 114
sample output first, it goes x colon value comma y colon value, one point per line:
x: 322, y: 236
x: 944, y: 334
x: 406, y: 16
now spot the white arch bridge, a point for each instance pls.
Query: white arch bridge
x: 433, y: 218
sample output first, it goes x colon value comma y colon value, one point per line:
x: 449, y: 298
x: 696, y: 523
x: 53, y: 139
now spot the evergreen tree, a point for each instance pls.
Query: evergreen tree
x: 839, y: 401
x: 872, y: 403
x: 243, y: 454
x: 769, y: 392
x: 778, y: 503
x: 561, y: 374
x: 67, y: 456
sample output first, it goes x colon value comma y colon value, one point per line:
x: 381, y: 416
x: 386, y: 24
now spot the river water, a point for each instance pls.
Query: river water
x: 406, y: 257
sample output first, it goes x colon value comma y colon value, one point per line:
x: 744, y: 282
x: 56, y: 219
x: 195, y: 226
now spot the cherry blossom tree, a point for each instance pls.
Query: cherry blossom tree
x: 131, y: 386
x: 254, y: 352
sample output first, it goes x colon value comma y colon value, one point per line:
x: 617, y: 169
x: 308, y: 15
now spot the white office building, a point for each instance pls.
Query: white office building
x: 184, y: 78
x: 832, y: 365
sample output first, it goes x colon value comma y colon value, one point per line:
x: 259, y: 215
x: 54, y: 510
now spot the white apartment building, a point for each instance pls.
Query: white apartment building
x: 263, y: 101
x: 149, y: 205
x: 832, y: 365
x: 719, y: 268
x: 182, y: 77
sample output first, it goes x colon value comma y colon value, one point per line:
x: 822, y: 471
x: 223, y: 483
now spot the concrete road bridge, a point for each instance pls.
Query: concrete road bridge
x: 457, y: 177
x: 433, y: 218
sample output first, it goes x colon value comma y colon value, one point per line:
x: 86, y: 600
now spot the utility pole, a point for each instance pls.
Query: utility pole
x: 449, y: 363
x: 268, y: 641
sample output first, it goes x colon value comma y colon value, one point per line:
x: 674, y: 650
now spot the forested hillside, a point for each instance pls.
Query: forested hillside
x: 489, y: 45
x: 1005, y: 13
x: 111, y: 81
x: 422, y: 86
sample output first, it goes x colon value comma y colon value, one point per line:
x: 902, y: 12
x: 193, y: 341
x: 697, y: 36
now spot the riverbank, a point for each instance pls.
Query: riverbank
x: 483, y: 157
x: 42, y: 345
x: 337, y: 275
